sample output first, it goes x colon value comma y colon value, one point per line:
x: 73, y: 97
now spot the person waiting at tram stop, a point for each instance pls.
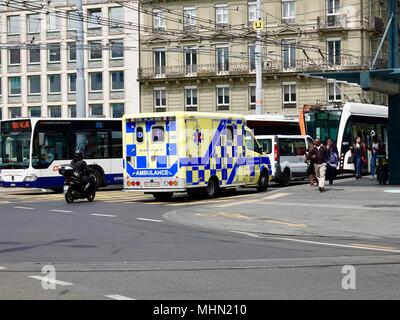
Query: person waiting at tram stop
x: 332, y: 161
x: 359, y: 158
x: 319, y: 154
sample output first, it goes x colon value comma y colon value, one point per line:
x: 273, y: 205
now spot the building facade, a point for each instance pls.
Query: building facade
x: 200, y: 56
x: 38, y: 58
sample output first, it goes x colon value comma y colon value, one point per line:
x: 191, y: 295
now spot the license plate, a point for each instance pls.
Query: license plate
x: 65, y: 189
x: 152, y: 184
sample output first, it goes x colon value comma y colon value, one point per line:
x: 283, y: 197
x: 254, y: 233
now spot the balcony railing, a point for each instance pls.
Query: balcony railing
x: 334, y: 21
x: 269, y: 67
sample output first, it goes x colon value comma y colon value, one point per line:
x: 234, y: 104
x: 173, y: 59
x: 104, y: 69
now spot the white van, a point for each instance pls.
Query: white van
x: 287, y: 155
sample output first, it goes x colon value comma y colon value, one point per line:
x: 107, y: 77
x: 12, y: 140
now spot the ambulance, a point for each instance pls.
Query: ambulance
x: 194, y: 152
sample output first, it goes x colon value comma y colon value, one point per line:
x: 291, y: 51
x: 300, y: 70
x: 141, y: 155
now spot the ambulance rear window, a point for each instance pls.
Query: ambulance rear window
x: 157, y: 134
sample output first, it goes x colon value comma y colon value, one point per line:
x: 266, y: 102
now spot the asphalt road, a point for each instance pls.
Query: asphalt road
x: 123, y: 246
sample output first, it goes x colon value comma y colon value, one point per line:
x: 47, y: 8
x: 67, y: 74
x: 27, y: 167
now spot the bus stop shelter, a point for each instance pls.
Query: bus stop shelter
x: 385, y: 81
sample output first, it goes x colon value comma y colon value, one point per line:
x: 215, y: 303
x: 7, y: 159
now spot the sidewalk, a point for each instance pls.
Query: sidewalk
x: 349, y: 208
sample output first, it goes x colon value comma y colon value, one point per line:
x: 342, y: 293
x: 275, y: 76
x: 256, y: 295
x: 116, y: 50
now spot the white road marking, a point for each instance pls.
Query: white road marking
x: 24, y: 208
x: 276, y: 196
x: 50, y: 280
x: 359, y: 246
x: 62, y: 211
x: 118, y: 297
x: 238, y: 203
x: 103, y: 215
x: 151, y: 220
x: 393, y: 191
x: 2, y: 268
x: 351, y: 246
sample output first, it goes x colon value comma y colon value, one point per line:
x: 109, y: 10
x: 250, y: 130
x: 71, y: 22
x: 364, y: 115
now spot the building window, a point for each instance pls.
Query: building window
x: 191, y: 60
x: 34, y: 54
x: 14, y: 86
x: 222, y: 57
x: 35, y: 112
x: 54, y: 111
x: 117, y: 81
x: 34, y: 23
x: 96, y: 110
x: 251, y: 12
x: 288, y: 11
x: 14, y: 112
x: 53, y: 22
x: 159, y: 62
x: 116, y: 15
x: 34, y: 85
x: 73, y: 19
x: 95, y: 18
x: 252, y: 97
x: 288, y: 54
x: 252, y: 58
x: 54, y: 81
x: 289, y: 95
x: 117, y: 110
x: 54, y: 52
x: 14, y: 56
x: 334, y: 52
x: 13, y: 25
x: 221, y: 16
x: 190, y: 98
x: 189, y: 19
x: 117, y: 49
x: 159, y: 20
x: 333, y: 13
x: 96, y: 81
x: 72, y: 83
x: 222, y: 98
x: 334, y: 92
x: 95, y: 50
x: 160, y: 99
x: 72, y: 111
x: 71, y: 51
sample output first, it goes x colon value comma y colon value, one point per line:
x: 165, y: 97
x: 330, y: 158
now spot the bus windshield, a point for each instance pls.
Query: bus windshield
x: 14, y: 150
x: 323, y: 124
x: 15, y: 138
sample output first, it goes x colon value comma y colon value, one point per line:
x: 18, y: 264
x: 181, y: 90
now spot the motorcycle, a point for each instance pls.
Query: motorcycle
x: 74, y: 187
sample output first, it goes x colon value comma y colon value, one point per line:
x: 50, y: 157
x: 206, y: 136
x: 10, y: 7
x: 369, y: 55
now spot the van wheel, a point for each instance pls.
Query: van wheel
x: 263, y: 182
x: 163, y: 196
x: 212, y: 188
x: 285, y: 181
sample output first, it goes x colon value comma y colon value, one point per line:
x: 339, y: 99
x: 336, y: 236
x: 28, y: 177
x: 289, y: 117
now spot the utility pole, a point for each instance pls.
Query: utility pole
x: 80, y: 65
x: 258, y: 59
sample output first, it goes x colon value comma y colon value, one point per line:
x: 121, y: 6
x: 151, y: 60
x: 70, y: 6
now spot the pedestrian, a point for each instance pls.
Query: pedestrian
x: 357, y: 152
x: 333, y: 161
x: 319, y: 155
x: 374, y: 155
x: 310, y: 166
x: 382, y: 165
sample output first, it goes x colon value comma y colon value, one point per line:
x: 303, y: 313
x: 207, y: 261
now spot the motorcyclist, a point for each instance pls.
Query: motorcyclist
x: 82, y: 168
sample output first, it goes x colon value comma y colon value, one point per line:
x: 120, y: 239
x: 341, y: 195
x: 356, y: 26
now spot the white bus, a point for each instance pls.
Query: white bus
x: 344, y: 125
x: 31, y: 150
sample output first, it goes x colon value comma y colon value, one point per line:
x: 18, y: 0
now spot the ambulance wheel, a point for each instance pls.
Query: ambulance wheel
x: 163, y: 196
x: 263, y: 182
x: 212, y: 187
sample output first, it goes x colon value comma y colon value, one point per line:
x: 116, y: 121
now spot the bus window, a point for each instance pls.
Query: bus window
x: 116, y: 144
x: 157, y: 134
x: 55, y: 148
x: 139, y: 135
x: 95, y: 146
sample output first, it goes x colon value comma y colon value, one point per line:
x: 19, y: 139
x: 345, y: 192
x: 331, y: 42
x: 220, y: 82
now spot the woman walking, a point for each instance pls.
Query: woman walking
x: 358, y: 158
x: 333, y: 161
x: 374, y: 155
x: 311, y: 166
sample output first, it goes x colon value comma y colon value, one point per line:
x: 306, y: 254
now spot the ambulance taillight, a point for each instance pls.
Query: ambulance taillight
x: 276, y: 152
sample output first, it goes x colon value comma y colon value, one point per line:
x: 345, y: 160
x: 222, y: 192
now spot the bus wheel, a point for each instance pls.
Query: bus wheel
x: 212, y: 188
x: 163, y: 196
x: 285, y: 181
x: 263, y: 182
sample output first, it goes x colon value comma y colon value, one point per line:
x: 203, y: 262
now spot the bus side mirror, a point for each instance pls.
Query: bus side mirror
x: 41, y: 139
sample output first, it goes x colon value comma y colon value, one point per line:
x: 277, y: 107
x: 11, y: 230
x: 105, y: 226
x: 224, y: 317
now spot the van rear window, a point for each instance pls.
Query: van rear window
x: 157, y: 134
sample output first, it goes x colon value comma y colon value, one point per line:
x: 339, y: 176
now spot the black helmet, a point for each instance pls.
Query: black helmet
x: 78, y: 155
